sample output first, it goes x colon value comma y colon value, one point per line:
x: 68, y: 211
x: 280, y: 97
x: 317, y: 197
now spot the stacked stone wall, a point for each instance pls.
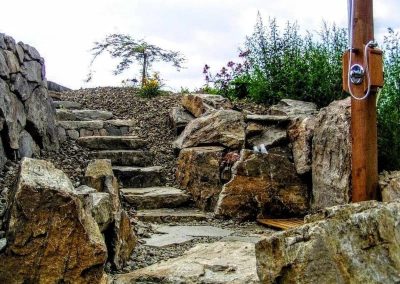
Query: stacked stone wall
x: 27, y: 116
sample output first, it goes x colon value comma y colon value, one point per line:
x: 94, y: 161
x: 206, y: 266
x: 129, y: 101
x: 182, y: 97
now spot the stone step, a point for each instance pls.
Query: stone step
x: 155, y: 197
x: 112, y: 142
x: 267, y: 118
x: 67, y: 105
x: 169, y: 215
x: 83, y: 114
x: 139, y: 176
x: 124, y: 157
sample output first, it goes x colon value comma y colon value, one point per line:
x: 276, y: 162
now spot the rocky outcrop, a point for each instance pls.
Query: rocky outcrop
x: 25, y: 106
x: 198, y: 172
x: 331, y: 156
x: 221, y: 128
x: 51, y: 238
x: 201, y: 264
x: 357, y: 243
x: 389, y: 184
x: 198, y: 104
x: 301, y: 133
x: 263, y: 184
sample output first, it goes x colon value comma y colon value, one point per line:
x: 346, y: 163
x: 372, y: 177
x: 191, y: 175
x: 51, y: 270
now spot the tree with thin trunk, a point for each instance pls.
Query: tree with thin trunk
x: 129, y: 50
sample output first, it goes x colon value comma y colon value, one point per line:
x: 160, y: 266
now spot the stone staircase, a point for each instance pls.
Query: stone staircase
x: 142, y: 185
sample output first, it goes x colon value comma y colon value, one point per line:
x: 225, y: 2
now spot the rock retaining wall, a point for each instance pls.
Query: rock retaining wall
x: 75, y: 129
x: 27, y: 117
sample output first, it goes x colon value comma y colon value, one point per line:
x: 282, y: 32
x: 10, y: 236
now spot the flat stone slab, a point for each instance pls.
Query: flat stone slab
x: 194, y: 231
x: 67, y: 105
x: 76, y: 125
x: 219, y: 262
x: 155, y: 197
x: 139, y: 176
x: 124, y: 157
x: 169, y: 215
x: 160, y: 241
x: 173, y: 235
x: 83, y: 114
x: 121, y: 122
x: 112, y: 142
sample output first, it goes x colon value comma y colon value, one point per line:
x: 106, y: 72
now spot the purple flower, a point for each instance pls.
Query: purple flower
x: 244, y: 53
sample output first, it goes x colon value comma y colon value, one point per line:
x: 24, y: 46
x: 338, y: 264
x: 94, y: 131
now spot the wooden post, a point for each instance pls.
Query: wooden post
x: 363, y: 112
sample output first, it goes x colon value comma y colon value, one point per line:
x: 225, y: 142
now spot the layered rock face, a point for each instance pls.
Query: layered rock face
x: 27, y: 117
x: 51, y: 238
x: 357, y: 243
x: 331, y: 156
x: 263, y: 184
x: 302, y: 144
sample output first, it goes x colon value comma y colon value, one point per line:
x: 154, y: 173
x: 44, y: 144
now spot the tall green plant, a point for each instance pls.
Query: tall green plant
x: 288, y: 65
x: 389, y: 105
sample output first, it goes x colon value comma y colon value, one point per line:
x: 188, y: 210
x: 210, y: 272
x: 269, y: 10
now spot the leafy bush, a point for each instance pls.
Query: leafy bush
x: 233, y: 79
x: 279, y: 65
x: 389, y: 106
x: 151, y: 86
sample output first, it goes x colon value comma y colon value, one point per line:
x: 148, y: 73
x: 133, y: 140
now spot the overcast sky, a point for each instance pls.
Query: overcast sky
x: 205, y: 31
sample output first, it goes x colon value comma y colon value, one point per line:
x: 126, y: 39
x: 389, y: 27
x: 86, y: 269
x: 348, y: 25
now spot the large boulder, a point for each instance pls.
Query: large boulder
x: 198, y: 171
x: 51, y: 238
x: 198, y: 104
x: 270, y: 137
x: 389, y: 183
x: 263, y: 184
x: 300, y: 134
x: 123, y: 240
x: 27, y: 146
x: 120, y: 237
x: 331, y: 156
x: 357, y: 243
x: 99, y: 175
x: 221, y: 128
x: 179, y: 118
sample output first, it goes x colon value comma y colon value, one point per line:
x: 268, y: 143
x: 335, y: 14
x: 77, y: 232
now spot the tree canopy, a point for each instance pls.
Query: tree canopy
x: 130, y: 50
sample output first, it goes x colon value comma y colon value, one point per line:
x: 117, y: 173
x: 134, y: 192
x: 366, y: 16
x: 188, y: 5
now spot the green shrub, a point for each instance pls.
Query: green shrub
x: 151, y: 87
x: 288, y: 65
x: 283, y: 64
x: 389, y: 106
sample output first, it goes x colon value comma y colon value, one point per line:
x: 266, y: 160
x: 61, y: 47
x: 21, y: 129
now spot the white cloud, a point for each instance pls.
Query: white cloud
x: 206, y: 31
